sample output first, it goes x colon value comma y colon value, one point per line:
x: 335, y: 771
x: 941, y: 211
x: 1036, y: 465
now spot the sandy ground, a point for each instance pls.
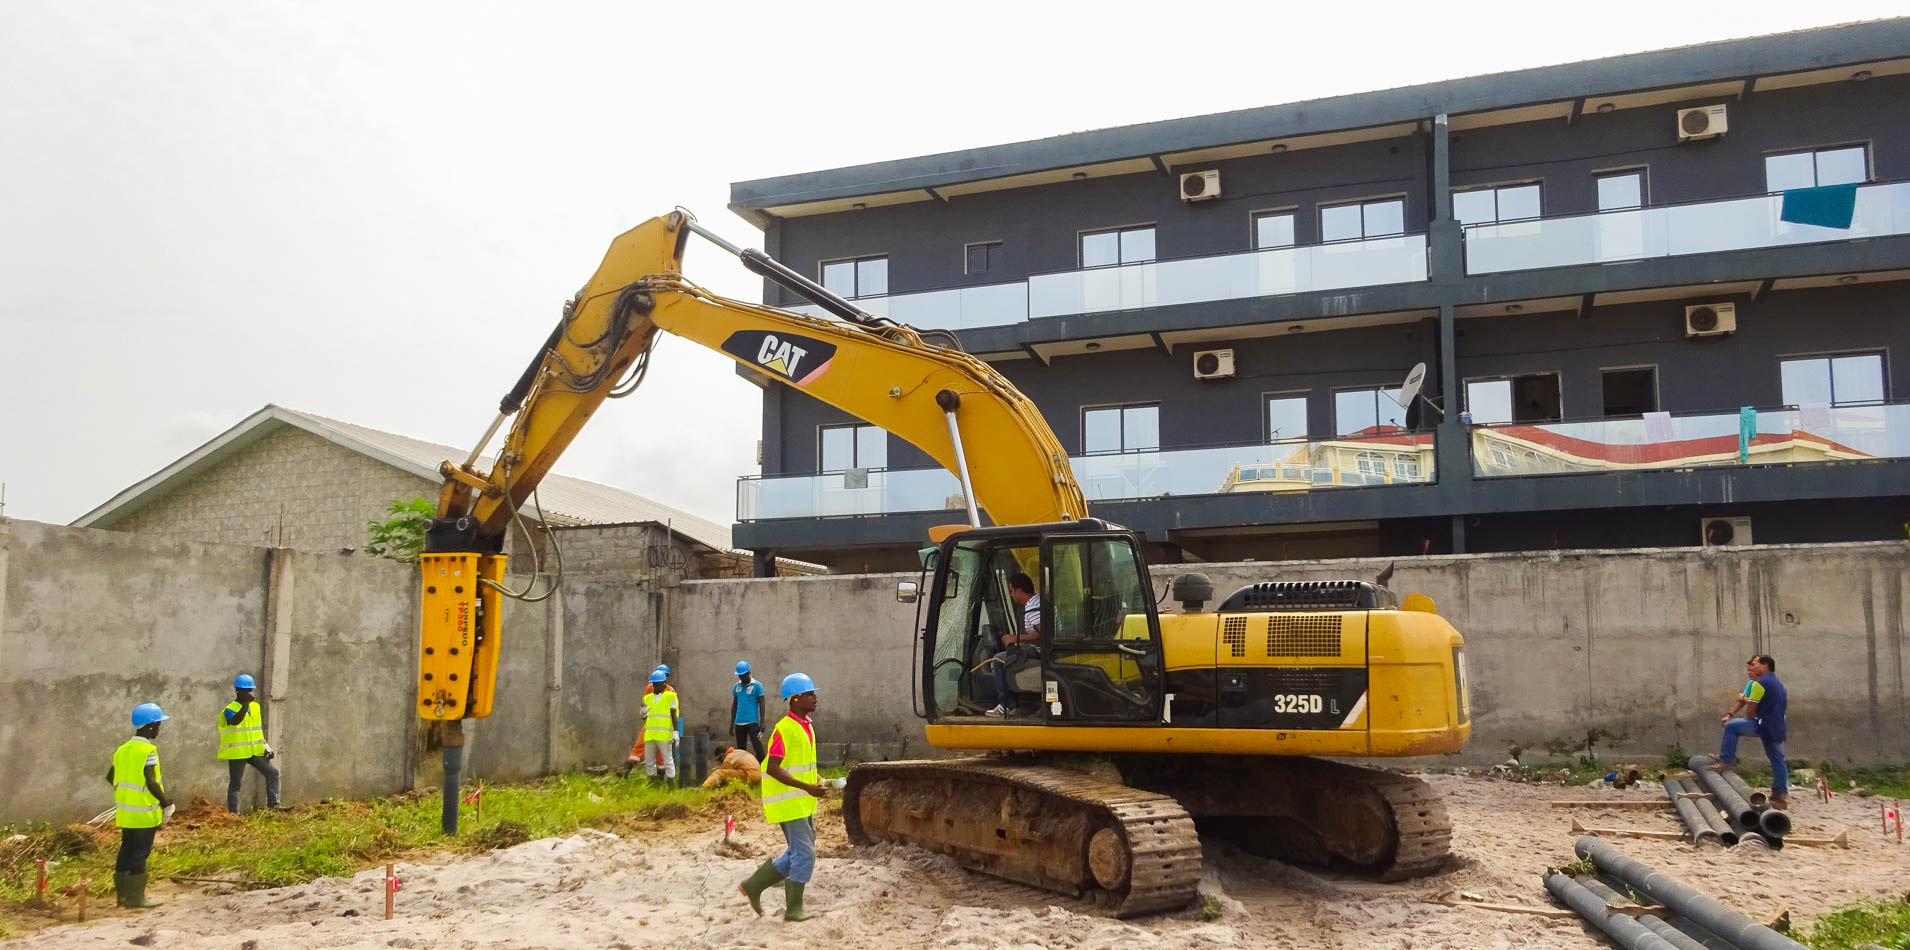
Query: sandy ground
x: 674, y: 886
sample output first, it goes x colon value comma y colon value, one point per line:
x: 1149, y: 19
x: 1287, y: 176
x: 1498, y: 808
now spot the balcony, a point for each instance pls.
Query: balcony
x: 1698, y: 228
x: 1287, y: 270
x: 1368, y: 459
x: 1782, y: 437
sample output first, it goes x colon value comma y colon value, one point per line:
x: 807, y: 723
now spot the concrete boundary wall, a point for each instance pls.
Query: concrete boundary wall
x: 1645, y: 644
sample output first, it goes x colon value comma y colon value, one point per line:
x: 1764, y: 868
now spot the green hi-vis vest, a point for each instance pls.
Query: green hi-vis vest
x: 783, y: 802
x: 659, y: 719
x: 244, y: 739
x: 133, y: 804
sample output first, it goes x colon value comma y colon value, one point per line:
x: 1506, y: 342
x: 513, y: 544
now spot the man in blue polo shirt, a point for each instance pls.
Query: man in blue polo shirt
x: 1762, y: 703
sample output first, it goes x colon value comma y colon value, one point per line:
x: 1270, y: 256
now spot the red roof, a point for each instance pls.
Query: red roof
x: 1660, y: 452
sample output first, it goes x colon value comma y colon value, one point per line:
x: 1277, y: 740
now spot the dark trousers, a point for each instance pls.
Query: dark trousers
x: 135, y: 846
x: 749, y: 735
x: 235, y: 772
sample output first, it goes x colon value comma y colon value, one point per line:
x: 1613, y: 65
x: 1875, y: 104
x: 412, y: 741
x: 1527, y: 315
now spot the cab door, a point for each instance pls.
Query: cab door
x: 1101, y: 644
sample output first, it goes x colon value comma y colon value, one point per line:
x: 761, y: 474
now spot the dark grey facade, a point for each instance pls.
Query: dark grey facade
x: 1564, y: 315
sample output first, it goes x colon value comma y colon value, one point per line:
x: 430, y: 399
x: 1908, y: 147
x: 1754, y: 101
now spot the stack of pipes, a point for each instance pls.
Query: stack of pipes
x: 1758, y: 821
x: 1696, y: 920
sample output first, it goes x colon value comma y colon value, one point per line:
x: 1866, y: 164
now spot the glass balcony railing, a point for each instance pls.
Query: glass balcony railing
x: 1287, y: 270
x: 1697, y: 228
x: 1368, y: 459
x: 1781, y: 437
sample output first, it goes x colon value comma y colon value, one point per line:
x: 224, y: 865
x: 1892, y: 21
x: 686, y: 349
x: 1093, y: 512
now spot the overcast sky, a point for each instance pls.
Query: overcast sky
x: 373, y: 211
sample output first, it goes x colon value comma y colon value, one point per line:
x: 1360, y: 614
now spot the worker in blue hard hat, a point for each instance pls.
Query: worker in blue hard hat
x: 791, y: 787
x: 746, y: 710
x: 140, y: 803
x: 662, y: 723
x: 242, y: 743
x: 676, y: 738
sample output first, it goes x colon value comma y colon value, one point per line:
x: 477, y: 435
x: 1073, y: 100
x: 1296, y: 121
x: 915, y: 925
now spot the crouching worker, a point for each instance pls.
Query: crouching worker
x: 139, y: 804
x: 733, y: 764
x: 790, y: 791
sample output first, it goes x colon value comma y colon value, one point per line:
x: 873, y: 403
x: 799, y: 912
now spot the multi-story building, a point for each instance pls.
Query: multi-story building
x: 1652, y: 293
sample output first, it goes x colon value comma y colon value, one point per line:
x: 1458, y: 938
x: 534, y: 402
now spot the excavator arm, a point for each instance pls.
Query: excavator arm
x: 937, y: 398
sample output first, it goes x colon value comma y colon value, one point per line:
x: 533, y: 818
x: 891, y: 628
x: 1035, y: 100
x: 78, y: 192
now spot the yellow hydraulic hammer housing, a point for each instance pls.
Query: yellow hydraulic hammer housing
x: 461, y: 635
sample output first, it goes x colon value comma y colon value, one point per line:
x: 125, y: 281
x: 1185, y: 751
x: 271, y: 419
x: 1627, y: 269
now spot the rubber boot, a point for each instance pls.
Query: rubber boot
x: 119, y: 889
x: 763, y: 879
x: 136, y: 891
x: 792, y: 901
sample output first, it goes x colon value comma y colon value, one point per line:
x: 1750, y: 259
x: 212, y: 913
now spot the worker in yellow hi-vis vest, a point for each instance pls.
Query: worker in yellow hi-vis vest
x: 140, y: 803
x: 791, y: 787
x: 661, y: 726
x: 242, y: 743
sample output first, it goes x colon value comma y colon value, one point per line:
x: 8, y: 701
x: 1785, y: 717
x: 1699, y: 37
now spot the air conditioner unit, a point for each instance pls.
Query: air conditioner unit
x: 1704, y: 122
x: 1214, y: 364
x: 1725, y: 532
x: 1200, y: 186
x: 1711, y: 319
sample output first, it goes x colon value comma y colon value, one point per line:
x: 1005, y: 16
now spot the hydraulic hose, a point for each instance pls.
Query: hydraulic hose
x: 1621, y: 927
x: 1705, y: 911
x: 1688, y: 813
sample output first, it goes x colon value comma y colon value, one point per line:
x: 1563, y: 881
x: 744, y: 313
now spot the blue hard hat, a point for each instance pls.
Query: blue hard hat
x: 145, y: 714
x: 795, y: 684
x: 742, y: 666
x: 658, y: 677
x: 663, y: 669
x: 243, y: 681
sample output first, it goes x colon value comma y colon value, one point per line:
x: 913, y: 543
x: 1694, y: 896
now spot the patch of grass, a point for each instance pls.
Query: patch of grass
x: 1210, y: 909
x: 1583, y: 867
x: 1885, y: 923
x: 339, y: 837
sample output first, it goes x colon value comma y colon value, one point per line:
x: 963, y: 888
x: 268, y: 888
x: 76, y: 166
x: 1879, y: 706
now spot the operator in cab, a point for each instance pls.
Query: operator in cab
x: 1016, y: 646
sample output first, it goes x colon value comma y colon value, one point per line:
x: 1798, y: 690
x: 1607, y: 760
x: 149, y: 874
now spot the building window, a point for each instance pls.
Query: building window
x: 1120, y: 246
x: 1273, y: 229
x: 1405, y: 466
x: 983, y: 256
x: 1630, y: 392
x: 1824, y: 166
x: 1286, y: 418
x: 1618, y: 191
x: 853, y: 446
x: 1855, y: 380
x: 1361, y: 411
x: 1364, y: 219
x: 861, y: 277
x: 1530, y: 398
x: 1498, y: 203
x: 1121, y: 429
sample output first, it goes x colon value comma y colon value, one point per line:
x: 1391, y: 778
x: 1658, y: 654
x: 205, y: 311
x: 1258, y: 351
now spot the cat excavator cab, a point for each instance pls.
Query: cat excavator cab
x: 1127, y: 732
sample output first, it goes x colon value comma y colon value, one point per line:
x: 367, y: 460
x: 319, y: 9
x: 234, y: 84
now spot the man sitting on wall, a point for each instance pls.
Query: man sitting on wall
x: 1763, y: 703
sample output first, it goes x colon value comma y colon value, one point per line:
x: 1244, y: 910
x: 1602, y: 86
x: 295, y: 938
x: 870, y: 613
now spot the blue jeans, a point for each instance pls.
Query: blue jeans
x: 235, y: 774
x: 999, y: 670
x: 798, y: 863
x: 1773, y: 750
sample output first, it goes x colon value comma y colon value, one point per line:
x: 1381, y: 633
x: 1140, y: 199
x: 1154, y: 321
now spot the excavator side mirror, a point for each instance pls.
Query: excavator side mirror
x: 906, y: 592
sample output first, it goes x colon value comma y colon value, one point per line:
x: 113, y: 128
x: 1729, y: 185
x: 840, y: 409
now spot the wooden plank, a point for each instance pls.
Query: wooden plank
x: 1842, y: 840
x: 1579, y: 829
x: 1618, y: 803
x: 1553, y: 912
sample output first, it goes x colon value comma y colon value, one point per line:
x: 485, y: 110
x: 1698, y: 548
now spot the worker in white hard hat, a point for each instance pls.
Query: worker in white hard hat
x: 242, y: 743
x: 791, y: 787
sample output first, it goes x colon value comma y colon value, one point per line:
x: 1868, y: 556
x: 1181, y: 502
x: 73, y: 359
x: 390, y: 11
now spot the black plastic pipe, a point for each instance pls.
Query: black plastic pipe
x: 1665, y: 931
x: 453, y: 775
x: 1734, y: 803
x: 1752, y: 795
x: 1621, y: 927
x: 1688, y: 813
x: 1707, y: 912
x: 1708, y: 810
x: 1774, y: 823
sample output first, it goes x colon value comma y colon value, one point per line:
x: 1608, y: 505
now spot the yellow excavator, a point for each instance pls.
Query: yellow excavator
x: 1120, y: 732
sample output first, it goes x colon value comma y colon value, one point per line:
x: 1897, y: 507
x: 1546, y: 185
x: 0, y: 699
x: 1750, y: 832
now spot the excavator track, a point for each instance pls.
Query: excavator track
x: 1048, y: 827
x: 1308, y: 810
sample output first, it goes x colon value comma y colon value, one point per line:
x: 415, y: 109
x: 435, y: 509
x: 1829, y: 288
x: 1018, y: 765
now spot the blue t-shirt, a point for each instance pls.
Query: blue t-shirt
x: 746, y: 699
x: 1769, y: 695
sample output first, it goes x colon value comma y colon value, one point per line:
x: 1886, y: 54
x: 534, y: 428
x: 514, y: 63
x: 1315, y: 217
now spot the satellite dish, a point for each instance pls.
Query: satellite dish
x: 1409, y: 390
